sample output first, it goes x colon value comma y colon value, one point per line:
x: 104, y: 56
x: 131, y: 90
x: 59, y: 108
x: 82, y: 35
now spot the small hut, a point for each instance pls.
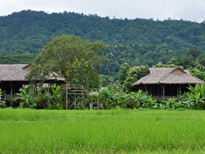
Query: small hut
x: 166, y: 82
x: 12, y: 78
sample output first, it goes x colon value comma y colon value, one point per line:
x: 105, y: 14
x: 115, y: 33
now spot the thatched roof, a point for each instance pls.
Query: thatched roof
x: 17, y: 72
x: 168, y: 76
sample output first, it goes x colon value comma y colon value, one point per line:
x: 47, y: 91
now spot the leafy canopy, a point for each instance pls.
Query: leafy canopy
x: 69, y: 56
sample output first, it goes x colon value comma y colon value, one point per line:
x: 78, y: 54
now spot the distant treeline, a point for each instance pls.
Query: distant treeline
x: 136, y: 41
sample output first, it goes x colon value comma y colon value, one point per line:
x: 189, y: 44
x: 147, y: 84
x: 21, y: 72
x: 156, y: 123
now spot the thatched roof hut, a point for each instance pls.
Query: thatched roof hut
x: 12, y: 77
x: 17, y: 72
x: 166, y: 81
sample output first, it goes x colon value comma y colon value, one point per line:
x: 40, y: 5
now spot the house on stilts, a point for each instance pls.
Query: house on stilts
x: 166, y: 82
x: 12, y: 78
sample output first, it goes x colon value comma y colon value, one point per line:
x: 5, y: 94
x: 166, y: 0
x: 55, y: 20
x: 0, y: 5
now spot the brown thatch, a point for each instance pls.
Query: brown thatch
x: 168, y: 76
x: 17, y: 72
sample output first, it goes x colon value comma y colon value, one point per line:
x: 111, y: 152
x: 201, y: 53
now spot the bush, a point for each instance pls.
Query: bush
x: 2, y: 105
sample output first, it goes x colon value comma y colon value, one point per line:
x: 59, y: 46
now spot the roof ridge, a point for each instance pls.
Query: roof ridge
x: 166, y: 75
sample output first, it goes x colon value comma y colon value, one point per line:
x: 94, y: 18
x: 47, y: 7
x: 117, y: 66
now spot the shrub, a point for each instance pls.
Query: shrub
x: 2, y: 105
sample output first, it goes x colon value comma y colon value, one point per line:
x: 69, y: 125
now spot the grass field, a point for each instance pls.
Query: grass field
x: 111, y: 131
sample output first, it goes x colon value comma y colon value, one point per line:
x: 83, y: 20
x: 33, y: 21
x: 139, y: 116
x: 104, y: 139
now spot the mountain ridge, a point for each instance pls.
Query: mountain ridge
x: 37, y: 28
x: 134, y: 41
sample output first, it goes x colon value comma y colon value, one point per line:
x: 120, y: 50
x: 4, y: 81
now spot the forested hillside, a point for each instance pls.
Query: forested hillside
x: 137, y: 41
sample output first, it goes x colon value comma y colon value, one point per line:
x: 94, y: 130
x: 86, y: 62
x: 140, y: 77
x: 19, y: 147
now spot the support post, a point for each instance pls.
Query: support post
x: 66, y: 98
x: 75, y: 102
x: 145, y: 88
x: 11, y: 92
x: 82, y: 92
x: 179, y: 89
x: 173, y: 93
x: 163, y: 91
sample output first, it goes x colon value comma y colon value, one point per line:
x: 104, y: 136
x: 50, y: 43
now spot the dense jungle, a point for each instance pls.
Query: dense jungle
x: 133, y: 41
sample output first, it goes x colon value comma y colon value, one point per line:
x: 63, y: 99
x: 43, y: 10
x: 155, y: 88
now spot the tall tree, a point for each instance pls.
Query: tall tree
x: 123, y: 72
x: 134, y: 74
x: 194, y: 51
x: 70, y: 56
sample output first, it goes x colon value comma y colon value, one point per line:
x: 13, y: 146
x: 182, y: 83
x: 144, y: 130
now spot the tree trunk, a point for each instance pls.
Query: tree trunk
x: 67, y: 86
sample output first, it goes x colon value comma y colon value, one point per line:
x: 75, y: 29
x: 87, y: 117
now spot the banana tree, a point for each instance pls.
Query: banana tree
x: 197, y: 96
x: 123, y: 99
x: 25, y: 95
x: 57, y: 97
x: 141, y: 99
x: 106, y: 97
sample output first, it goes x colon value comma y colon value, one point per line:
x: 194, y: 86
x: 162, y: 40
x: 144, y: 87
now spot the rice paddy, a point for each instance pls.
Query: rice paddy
x: 106, y: 131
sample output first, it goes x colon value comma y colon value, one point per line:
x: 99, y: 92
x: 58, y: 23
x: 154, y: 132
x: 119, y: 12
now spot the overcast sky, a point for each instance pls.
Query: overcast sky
x: 192, y: 10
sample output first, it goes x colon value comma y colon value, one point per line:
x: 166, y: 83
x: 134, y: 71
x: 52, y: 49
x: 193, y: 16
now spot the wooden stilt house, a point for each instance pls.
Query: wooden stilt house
x: 12, y: 78
x: 166, y: 82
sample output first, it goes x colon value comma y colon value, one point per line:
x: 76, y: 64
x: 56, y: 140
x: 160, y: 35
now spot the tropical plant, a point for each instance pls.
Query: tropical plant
x: 186, y: 100
x: 56, y: 106
x: 0, y: 93
x: 43, y: 99
x: 57, y: 94
x: 141, y: 99
x: 106, y: 97
x: 2, y: 103
x: 57, y: 98
x: 170, y: 103
x: 26, y: 95
x: 122, y: 99
x: 133, y: 74
x: 197, y: 95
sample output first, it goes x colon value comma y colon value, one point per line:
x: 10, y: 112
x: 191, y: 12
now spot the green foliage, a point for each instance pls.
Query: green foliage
x: 106, y: 97
x: 2, y: 103
x: 168, y: 65
x: 141, y: 100
x: 72, y: 57
x: 193, y: 61
x: 119, y: 99
x: 17, y: 59
x: 43, y: 100
x: 90, y: 79
x: 123, y: 72
x: 56, y: 93
x: 26, y: 95
x: 106, y: 80
x: 39, y: 27
x: 58, y: 97
x: 194, y: 52
x: 138, y: 55
x: 134, y: 74
x: 202, y: 61
x: 193, y: 58
x: 148, y: 43
x: 198, y: 71
x: 197, y: 96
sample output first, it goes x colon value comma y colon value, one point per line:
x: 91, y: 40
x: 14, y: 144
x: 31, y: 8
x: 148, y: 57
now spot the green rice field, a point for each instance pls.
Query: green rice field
x: 106, y: 131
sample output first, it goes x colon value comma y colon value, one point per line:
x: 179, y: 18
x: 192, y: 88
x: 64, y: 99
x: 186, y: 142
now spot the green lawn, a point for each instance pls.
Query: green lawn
x: 111, y: 131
